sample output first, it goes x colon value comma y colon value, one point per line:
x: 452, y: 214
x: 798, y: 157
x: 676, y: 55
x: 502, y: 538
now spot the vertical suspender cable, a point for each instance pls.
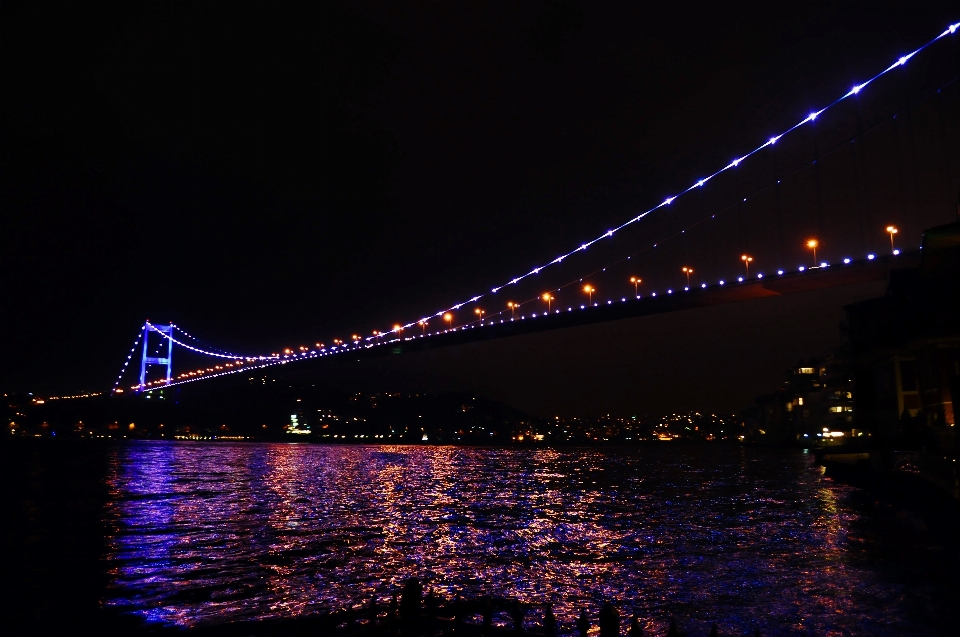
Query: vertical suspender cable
x: 776, y: 189
x: 860, y: 169
x: 913, y: 155
x: 816, y: 178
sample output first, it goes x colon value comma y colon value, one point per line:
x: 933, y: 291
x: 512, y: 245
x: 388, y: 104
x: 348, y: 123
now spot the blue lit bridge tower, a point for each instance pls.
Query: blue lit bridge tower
x: 165, y: 330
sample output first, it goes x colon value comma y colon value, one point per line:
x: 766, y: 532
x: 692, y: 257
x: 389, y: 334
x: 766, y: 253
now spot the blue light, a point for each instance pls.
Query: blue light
x: 740, y: 279
x: 846, y: 260
x: 871, y: 256
x: 703, y: 285
x: 780, y: 272
x: 896, y: 252
x: 824, y: 265
x: 721, y: 281
x: 669, y: 291
x: 668, y: 201
x: 802, y: 268
x: 760, y: 276
x: 686, y: 289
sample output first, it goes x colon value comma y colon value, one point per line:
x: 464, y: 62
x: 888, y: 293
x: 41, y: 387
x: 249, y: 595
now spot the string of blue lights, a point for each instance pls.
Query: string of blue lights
x: 202, y: 351
x: 126, y: 363
x: 855, y: 90
x: 380, y: 337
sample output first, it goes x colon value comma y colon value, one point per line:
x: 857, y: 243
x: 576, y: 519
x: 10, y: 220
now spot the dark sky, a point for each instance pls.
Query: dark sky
x: 270, y: 174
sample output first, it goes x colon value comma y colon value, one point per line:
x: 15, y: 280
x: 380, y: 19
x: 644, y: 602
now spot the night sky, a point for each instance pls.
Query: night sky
x: 271, y: 174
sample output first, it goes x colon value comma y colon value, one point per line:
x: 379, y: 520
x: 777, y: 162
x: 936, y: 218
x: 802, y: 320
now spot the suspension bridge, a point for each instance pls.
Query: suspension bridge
x: 837, y: 198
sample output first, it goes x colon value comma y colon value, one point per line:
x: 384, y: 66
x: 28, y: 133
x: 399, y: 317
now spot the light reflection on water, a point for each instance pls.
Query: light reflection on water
x: 206, y: 533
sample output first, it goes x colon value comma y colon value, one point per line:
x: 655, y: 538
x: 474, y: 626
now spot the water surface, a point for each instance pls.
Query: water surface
x: 204, y: 533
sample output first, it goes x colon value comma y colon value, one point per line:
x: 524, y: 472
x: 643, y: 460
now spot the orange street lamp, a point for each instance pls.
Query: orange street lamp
x: 398, y: 328
x: 812, y: 244
x: 448, y: 317
x: 746, y: 261
x: 513, y: 309
x: 355, y: 337
x: 589, y: 289
x: 423, y: 325
x: 892, y: 230
x: 636, y: 282
x: 688, y: 272
x: 548, y: 298
x: 479, y: 313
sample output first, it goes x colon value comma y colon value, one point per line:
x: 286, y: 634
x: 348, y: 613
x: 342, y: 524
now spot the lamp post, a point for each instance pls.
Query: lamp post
x: 423, y: 326
x: 812, y: 244
x: 746, y: 261
x: 589, y: 289
x: 636, y: 283
x: 892, y: 230
x: 548, y: 298
x: 398, y: 328
x: 513, y: 309
x: 448, y: 317
x: 688, y: 272
x: 479, y: 313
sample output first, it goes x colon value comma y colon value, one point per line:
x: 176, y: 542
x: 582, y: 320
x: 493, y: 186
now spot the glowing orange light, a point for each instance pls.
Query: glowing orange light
x: 812, y: 244
x: 892, y: 230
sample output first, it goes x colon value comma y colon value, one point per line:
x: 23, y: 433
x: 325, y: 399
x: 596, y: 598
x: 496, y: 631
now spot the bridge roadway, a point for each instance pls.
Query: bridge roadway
x: 816, y: 278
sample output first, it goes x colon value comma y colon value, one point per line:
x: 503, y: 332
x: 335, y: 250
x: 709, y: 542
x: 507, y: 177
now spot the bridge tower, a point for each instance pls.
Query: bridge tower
x: 166, y: 330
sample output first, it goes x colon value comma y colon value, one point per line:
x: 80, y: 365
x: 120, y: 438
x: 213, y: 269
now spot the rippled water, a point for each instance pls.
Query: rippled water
x: 217, y: 532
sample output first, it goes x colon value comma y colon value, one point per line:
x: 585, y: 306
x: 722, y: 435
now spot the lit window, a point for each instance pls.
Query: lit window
x: 806, y: 370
